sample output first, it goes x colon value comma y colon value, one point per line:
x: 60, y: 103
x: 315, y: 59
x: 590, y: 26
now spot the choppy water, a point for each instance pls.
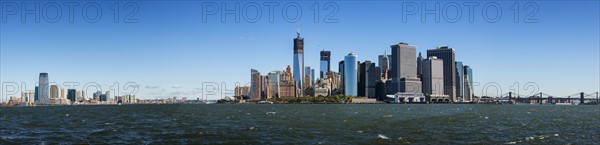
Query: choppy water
x: 301, y: 124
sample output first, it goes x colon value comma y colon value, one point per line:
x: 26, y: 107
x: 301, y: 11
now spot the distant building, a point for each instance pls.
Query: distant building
x: 468, y: 83
x: 369, y: 74
x: 54, y: 93
x: 274, y: 77
x: 43, y: 89
x: 255, y: 85
x: 420, y: 65
x: 459, y: 80
x: 448, y: 56
x: 342, y: 78
x: 384, y: 63
x: 287, y: 87
x: 433, y: 79
x: 404, y: 69
x: 299, y: 61
x: 72, y: 95
x: 350, y: 75
x: 307, y: 77
x: 242, y: 91
x: 325, y: 63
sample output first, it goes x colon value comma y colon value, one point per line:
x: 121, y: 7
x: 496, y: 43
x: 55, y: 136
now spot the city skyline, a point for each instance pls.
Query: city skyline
x: 108, y: 60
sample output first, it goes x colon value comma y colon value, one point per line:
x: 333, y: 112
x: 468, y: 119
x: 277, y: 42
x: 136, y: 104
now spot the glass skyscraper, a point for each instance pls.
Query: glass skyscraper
x: 299, y: 62
x: 350, y: 75
x: 325, y: 63
x: 459, y: 79
x: 44, y: 89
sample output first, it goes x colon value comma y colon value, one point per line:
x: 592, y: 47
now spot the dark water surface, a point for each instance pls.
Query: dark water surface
x: 301, y: 124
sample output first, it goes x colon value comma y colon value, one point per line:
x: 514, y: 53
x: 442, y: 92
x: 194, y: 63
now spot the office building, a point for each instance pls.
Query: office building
x: 404, y: 69
x: 447, y: 55
x: 384, y: 64
x: 468, y: 83
x: 299, y: 62
x: 342, y: 77
x: 255, y: 85
x: 368, y: 76
x: 420, y: 65
x: 43, y: 89
x: 274, y: 77
x: 72, y: 95
x: 325, y: 63
x: 350, y: 75
x: 459, y: 80
x: 433, y: 79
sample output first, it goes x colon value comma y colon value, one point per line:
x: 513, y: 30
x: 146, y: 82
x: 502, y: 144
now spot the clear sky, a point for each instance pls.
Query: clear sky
x: 175, y: 46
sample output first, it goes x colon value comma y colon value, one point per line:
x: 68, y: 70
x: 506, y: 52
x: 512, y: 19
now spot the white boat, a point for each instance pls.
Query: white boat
x: 264, y: 102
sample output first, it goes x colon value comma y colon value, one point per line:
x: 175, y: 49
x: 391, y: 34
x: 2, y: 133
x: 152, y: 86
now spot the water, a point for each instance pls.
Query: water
x: 301, y: 124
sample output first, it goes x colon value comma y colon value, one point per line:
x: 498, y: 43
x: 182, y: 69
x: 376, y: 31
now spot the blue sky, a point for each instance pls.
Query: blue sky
x: 170, y: 51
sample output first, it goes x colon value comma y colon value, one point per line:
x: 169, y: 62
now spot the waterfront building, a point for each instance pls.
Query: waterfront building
x: 79, y: 96
x: 325, y: 64
x: 433, y: 79
x: 72, y: 95
x: 459, y: 80
x: 342, y: 77
x: 43, y: 89
x: 350, y: 75
x: 107, y: 96
x: 323, y: 87
x: 54, y: 94
x: 242, y: 91
x: 97, y: 96
x: 299, y: 62
x: 35, y: 97
x: 468, y: 83
x: 448, y: 56
x: 288, y: 88
x: 274, y: 77
x: 368, y: 75
x: 404, y: 69
x: 307, y: 77
x: 255, y: 85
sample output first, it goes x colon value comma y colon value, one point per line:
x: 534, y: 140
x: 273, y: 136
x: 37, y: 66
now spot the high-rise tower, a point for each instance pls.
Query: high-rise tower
x: 299, y: 62
x: 448, y: 56
x: 350, y: 75
x: 44, y: 89
x: 325, y: 63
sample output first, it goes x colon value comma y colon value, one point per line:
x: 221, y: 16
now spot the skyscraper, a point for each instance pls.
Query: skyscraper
x: 404, y: 61
x: 342, y: 76
x: 459, y: 80
x: 274, y: 77
x: 468, y: 85
x: 307, y: 76
x: 384, y: 64
x: 54, y: 93
x: 325, y: 63
x: 420, y: 65
x: 433, y: 76
x: 448, y: 56
x: 72, y: 95
x: 299, y: 62
x: 43, y: 89
x: 350, y: 75
x: 369, y: 74
x: 255, y: 85
x: 404, y: 69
